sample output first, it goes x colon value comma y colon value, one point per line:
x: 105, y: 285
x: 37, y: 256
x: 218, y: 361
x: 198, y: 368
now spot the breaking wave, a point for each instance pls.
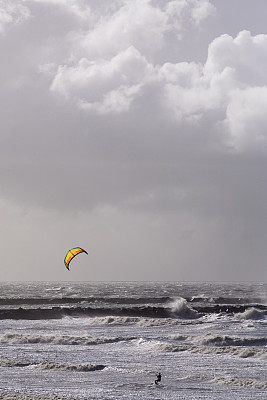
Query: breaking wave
x: 70, y: 367
x: 216, y: 345
x: 75, y: 312
x: 17, y: 338
x: 252, y: 313
x: 53, y: 366
x: 247, y: 383
x: 224, y: 340
x: 180, y: 309
x: 112, y: 320
x: 143, y: 307
x: 221, y: 340
x: 141, y: 321
x: 240, y: 352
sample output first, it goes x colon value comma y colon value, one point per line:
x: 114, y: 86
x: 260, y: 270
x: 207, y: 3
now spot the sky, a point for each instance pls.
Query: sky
x: 135, y: 129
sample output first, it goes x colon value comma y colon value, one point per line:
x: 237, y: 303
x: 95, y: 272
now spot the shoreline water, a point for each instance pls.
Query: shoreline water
x: 209, y: 341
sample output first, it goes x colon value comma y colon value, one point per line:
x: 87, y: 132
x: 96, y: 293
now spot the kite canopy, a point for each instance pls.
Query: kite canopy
x: 71, y: 254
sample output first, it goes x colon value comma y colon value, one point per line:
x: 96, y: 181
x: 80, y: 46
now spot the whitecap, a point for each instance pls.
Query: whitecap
x: 251, y: 313
x: 180, y: 309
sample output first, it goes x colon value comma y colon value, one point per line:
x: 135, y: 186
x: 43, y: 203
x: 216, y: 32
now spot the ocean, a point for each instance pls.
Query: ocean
x: 109, y: 340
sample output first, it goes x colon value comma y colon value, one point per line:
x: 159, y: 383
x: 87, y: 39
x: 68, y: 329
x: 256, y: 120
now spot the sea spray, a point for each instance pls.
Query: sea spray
x: 180, y: 309
x: 252, y: 313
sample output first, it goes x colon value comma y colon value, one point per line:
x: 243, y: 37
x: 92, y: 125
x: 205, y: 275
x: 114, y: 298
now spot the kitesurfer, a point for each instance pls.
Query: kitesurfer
x: 158, y: 378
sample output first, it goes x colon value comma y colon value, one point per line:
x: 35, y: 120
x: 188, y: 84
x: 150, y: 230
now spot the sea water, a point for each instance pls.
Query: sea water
x: 109, y: 341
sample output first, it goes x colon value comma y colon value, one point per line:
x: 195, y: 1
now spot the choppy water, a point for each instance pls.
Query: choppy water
x: 109, y: 340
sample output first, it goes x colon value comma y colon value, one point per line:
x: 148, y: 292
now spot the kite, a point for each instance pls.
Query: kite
x: 71, y: 254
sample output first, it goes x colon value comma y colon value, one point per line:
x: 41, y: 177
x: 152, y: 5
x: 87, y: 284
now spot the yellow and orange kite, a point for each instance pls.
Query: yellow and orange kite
x: 71, y: 254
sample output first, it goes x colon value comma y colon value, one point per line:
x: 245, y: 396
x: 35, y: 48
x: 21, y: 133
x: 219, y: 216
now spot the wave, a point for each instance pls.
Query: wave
x: 141, y: 321
x: 247, y: 383
x: 17, y: 338
x: 243, y: 347
x: 19, y: 396
x: 249, y: 352
x: 228, y: 309
x: 181, y: 309
x: 221, y: 340
x: 225, y: 340
x: 7, y: 395
x: 178, y: 308
x: 48, y: 365
x: 70, y: 367
x: 225, y: 300
x: 81, y: 300
x: 252, y: 313
x: 54, y: 297
x: 60, y: 312
x: 112, y: 320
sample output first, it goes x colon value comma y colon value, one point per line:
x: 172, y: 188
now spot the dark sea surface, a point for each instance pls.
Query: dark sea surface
x: 109, y: 340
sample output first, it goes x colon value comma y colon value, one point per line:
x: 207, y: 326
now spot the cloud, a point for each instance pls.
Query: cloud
x: 245, y: 54
x: 77, y: 8
x: 202, y: 10
x: 136, y: 23
x: 232, y: 82
x: 143, y: 24
x: 12, y: 13
x: 122, y: 43
x: 240, y: 63
x: 246, y: 119
x: 123, y: 108
x: 119, y: 132
x: 233, y: 72
x: 104, y: 86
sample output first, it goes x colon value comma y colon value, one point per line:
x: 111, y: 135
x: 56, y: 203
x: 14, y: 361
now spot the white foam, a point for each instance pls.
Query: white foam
x: 251, y: 313
x: 225, y: 340
x: 248, y: 383
x: 180, y: 309
x: 235, y: 351
x: 69, y: 367
x: 146, y: 322
x: 22, y: 396
x: 111, y: 320
x: 17, y: 338
x: 178, y: 337
x: 49, y: 365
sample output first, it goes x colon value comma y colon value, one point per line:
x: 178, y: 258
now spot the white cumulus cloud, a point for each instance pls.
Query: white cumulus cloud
x: 12, y: 13
x: 104, y: 86
x: 246, y: 119
x: 245, y: 54
x: 111, y: 59
x: 78, y: 8
x: 232, y: 82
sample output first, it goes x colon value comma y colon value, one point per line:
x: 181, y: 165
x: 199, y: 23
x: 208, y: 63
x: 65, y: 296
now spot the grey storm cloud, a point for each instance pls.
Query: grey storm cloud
x: 137, y: 127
